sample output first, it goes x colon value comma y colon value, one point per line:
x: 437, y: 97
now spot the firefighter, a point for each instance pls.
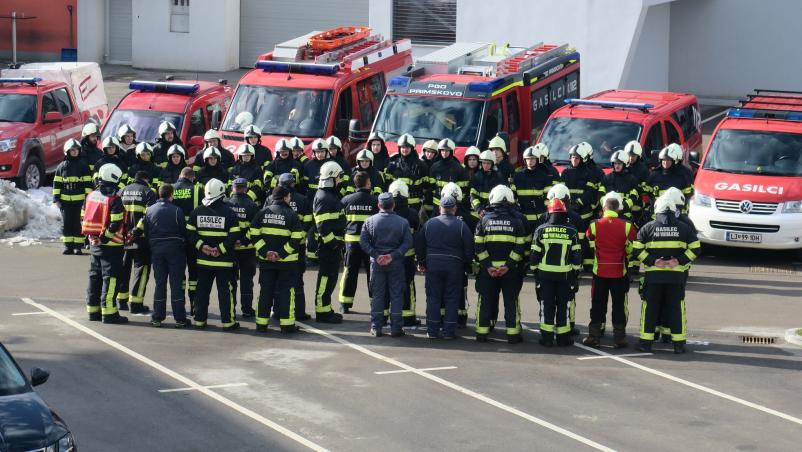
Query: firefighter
x: 582, y: 181
x: 176, y: 162
x: 214, y: 229
x: 484, y: 181
x: 137, y: 197
x: 90, y: 135
x: 358, y: 207
x: 244, y: 255
x: 622, y: 182
x: 530, y: 185
x: 499, y: 147
x: 386, y: 237
x: 556, y: 259
x: 262, y: 155
x: 247, y: 168
x: 284, y: 163
x: 470, y: 161
x: 500, y: 246
x: 445, y: 170
x: 400, y: 193
x: 168, y: 136
x: 335, y: 147
x: 103, y: 222
x: 187, y: 195
x: 429, y: 156
x: 71, y: 183
x: 112, y: 154
x: 212, y: 167
x: 144, y: 162
x: 545, y: 160
x: 671, y: 174
x: 212, y: 139
x: 381, y: 157
x: 611, y: 238
x: 638, y: 169
x: 298, y: 150
x: 666, y: 247
x: 463, y: 211
x: 301, y: 205
x: 127, y: 138
x: 311, y: 173
x: 597, y: 172
x: 407, y: 167
x: 330, y: 224
x: 364, y: 163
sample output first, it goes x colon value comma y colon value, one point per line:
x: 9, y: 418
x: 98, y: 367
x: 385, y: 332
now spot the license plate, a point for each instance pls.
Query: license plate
x: 749, y: 237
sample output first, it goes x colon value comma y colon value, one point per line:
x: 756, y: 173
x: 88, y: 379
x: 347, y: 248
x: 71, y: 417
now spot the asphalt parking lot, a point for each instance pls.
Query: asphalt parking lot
x: 333, y: 387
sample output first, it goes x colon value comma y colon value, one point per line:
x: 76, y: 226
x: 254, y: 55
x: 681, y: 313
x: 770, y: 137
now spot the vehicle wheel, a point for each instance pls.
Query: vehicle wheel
x: 32, y: 174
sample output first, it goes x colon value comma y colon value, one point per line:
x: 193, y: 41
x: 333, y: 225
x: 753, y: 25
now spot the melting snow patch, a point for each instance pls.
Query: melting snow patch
x: 27, y: 218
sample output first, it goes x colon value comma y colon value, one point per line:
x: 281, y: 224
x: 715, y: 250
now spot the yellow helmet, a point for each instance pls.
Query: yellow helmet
x: 497, y: 142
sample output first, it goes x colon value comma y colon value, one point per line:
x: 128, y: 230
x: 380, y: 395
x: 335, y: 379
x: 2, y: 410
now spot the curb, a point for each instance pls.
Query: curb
x: 792, y: 338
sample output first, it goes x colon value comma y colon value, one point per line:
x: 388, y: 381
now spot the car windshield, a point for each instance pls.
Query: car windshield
x: 280, y: 111
x: 144, y: 122
x: 604, y: 135
x: 430, y: 118
x: 17, y: 108
x: 755, y: 152
x: 11, y: 380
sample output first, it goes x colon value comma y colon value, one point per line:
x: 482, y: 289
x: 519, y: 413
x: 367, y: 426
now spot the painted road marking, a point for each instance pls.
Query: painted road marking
x: 458, y: 388
x: 612, y: 356
x: 717, y: 115
x: 29, y: 313
x: 229, y: 385
x: 181, y: 378
x: 387, y: 372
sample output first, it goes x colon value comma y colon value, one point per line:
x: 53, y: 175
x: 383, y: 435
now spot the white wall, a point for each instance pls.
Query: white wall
x: 647, y: 65
x: 91, y: 32
x: 212, y: 43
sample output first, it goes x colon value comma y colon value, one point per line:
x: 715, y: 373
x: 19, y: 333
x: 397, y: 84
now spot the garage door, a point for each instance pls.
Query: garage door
x: 120, y: 31
x: 263, y: 24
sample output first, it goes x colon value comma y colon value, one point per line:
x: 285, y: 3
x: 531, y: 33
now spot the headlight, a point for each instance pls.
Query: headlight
x: 65, y: 444
x: 9, y: 144
x: 701, y: 199
x: 792, y: 206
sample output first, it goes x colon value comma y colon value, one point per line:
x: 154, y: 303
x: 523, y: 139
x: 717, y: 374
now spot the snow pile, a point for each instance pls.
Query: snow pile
x: 27, y: 218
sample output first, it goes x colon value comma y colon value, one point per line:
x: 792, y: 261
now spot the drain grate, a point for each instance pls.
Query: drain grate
x: 781, y: 269
x: 758, y: 340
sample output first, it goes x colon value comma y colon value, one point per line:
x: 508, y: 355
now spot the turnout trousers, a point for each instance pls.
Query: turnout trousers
x: 355, y: 259
x: 277, y: 293
x: 105, y: 267
x: 615, y: 288
x: 329, y: 266
x: 244, y: 272
x: 663, y: 302
x: 554, y: 308
x: 489, y: 288
x: 191, y: 282
x: 206, y: 277
x: 71, y: 225
x: 139, y: 259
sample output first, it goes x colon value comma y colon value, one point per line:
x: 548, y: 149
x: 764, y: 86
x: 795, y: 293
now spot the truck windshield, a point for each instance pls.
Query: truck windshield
x: 604, y: 135
x: 430, y: 118
x: 280, y: 111
x: 17, y: 108
x: 755, y: 152
x: 144, y: 122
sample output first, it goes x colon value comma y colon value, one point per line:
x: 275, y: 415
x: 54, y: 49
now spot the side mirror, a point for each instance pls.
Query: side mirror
x: 197, y: 140
x: 214, y: 121
x: 693, y: 157
x: 39, y: 376
x: 355, y: 132
x: 52, y: 116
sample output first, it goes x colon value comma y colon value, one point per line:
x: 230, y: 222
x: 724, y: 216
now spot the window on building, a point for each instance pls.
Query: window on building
x: 179, y: 16
x: 425, y: 21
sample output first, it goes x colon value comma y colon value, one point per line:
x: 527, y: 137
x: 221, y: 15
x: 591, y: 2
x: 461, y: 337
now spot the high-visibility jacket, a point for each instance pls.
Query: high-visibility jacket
x: 530, y: 187
x: 664, y: 238
x: 377, y: 182
x: 136, y: 197
x: 443, y: 172
x: 72, y: 181
x: 625, y: 185
x: 160, y: 149
x: 611, y: 238
x: 153, y: 170
x: 253, y: 174
x: 500, y: 238
x: 413, y: 172
x: 279, y: 166
x: 217, y: 226
x: 277, y: 228
x: 358, y: 208
x: 187, y: 195
x: 556, y: 252
x: 583, y: 184
x: 329, y: 216
x: 481, y: 184
x: 246, y: 210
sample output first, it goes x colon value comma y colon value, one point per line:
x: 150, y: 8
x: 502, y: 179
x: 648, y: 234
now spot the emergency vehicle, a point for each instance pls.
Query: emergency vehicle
x: 748, y: 189
x: 316, y: 85
x: 610, y: 119
x: 192, y: 106
x: 470, y: 92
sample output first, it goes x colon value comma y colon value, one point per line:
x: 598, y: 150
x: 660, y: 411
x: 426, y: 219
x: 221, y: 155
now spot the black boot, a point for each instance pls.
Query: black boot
x: 328, y: 317
x: 139, y: 308
x: 115, y: 318
x: 679, y: 347
x: 620, y: 336
x: 411, y: 321
x: 346, y: 307
x: 594, y: 333
x: 575, y: 331
x: 261, y: 328
x: 481, y: 337
x: 77, y: 251
x: 95, y: 317
x: 514, y: 338
x: 645, y: 346
x: 67, y: 251
x: 302, y: 317
x: 289, y: 329
x: 248, y: 313
x: 462, y: 320
x: 546, y: 338
x: 564, y: 340
x: 123, y: 305
x: 233, y: 327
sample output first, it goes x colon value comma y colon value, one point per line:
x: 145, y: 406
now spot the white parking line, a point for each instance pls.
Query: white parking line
x: 460, y: 389
x: 229, y: 385
x: 182, y: 379
x: 612, y: 356
x: 717, y: 115
x: 29, y: 313
x: 387, y: 372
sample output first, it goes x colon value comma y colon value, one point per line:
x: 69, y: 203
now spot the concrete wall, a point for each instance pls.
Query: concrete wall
x: 212, y: 43
x: 647, y: 65
x: 91, y: 32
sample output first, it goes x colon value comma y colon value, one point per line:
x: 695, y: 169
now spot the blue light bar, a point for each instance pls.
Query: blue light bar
x: 400, y: 81
x: 608, y: 104
x: 303, y: 68
x: 486, y: 87
x: 761, y: 113
x: 28, y: 80
x: 740, y: 113
x: 164, y: 87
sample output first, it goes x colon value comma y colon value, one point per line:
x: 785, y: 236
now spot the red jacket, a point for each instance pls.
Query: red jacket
x: 611, y: 237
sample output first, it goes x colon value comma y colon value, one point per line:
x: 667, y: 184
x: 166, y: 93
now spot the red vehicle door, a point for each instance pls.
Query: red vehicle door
x: 51, y: 135
x: 70, y: 127
x: 196, y: 126
x: 513, y: 115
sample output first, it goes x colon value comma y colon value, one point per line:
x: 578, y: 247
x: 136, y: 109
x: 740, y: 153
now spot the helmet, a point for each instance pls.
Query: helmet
x: 664, y: 204
x: 613, y: 195
x: 446, y: 143
x: 176, y: 149
x: 541, y: 150
x: 296, y: 143
x: 214, y: 190
x: 211, y: 134
x: 406, y: 140
x: 165, y: 127
x: 124, y: 129
x: 530, y: 153
x: 89, y: 129
x: 110, y: 173
x: 252, y: 130
x: 399, y: 188
x: 283, y: 145
x: 364, y: 154
x: 497, y: 142
x: 373, y: 137
x: 501, y: 193
x: 557, y: 206
x: 319, y: 145
x: 619, y: 157
x: 143, y: 147
x: 70, y: 144
x: 584, y: 150
x: 473, y: 150
x: 675, y: 152
x: 675, y: 195
x: 211, y: 151
x: 110, y: 141
x: 245, y: 149
x: 334, y: 142
x: 488, y: 155
x: 451, y: 189
x: 330, y: 170
x: 429, y: 144
x: 559, y: 191
x: 633, y: 147
x: 244, y: 119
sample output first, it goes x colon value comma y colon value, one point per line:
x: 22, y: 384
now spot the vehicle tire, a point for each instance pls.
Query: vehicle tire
x: 33, y: 173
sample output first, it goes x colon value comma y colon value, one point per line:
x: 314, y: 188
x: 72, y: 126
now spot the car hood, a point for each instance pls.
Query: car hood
x: 27, y: 423
x: 13, y: 129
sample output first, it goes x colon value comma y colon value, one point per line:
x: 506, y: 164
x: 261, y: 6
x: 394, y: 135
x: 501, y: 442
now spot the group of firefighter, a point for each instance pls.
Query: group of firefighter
x: 279, y: 210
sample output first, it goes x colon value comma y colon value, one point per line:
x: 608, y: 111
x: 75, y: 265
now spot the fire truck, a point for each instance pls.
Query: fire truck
x: 316, y: 85
x: 471, y: 92
x: 748, y: 189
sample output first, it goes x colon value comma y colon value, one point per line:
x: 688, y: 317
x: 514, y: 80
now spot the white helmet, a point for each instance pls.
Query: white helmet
x: 244, y: 119
x: 488, y: 155
x: 446, y: 143
x: 334, y: 142
x: 211, y: 151
x: 283, y: 145
x: 451, y: 189
x: 110, y: 173
x: 213, y: 190
x: 252, y: 130
x: 559, y: 191
x: 320, y: 145
x: 143, y: 147
x: 501, y: 193
x: 619, y: 157
x: 541, y: 150
x: 473, y: 150
x: 110, y: 141
x: 616, y: 196
x: 530, y: 153
x: 675, y: 152
x: 176, y: 149
x: 72, y: 143
x: 365, y: 154
x: 166, y: 126
x: 211, y: 134
x: 330, y: 170
x: 89, y: 129
x: 429, y: 144
x: 125, y: 129
x: 664, y: 204
x: 296, y: 143
x: 399, y: 188
x: 497, y: 142
x: 584, y: 150
x: 675, y: 195
x: 245, y: 149
x: 406, y: 140
x: 633, y: 148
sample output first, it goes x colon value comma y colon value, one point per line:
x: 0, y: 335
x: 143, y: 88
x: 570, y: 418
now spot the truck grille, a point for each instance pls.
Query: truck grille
x: 744, y: 227
x: 758, y: 208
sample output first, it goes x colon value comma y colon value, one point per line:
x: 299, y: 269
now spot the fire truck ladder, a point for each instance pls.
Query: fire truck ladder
x: 529, y: 58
